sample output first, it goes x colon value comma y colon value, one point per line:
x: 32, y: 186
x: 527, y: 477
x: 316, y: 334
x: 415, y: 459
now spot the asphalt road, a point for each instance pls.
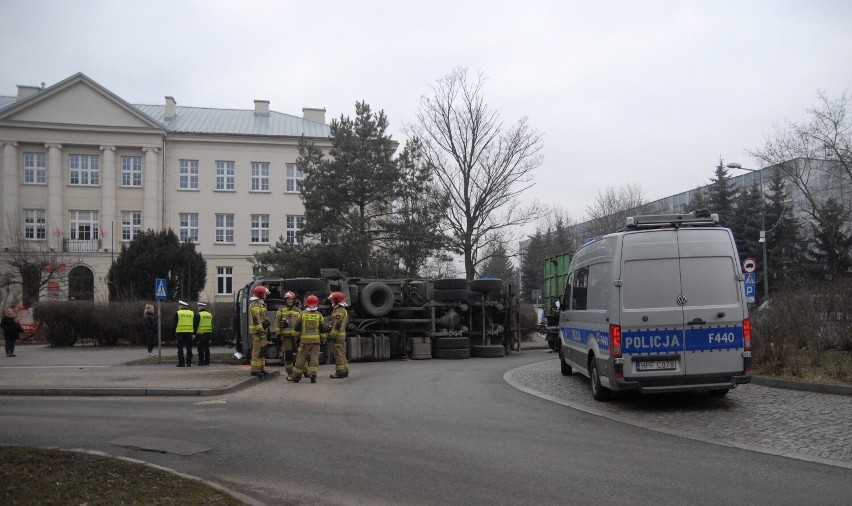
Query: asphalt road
x: 421, y: 432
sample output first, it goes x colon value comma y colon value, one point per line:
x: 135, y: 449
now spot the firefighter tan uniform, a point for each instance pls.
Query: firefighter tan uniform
x: 338, y: 320
x: 286, y: 319
x: 203, y: 331
x: 258, y: 324
x: 310, y: 329
x: 184, y: 328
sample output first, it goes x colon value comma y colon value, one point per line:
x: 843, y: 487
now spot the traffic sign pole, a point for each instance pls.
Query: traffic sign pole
x: 160, y: 293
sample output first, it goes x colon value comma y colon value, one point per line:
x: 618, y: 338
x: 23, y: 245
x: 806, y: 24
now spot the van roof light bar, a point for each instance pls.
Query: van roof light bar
x: 700, y: 217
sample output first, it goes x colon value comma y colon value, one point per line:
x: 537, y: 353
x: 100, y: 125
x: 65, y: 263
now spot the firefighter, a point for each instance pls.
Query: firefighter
x: 203, y: 329
x: 309, y: 328
x: 258, y: 325
x: 337, y: 332
x: 286, y: 319
x: 184, y: 329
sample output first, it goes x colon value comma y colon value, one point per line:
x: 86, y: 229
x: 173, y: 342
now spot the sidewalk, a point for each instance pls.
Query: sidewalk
x: 96, y: 371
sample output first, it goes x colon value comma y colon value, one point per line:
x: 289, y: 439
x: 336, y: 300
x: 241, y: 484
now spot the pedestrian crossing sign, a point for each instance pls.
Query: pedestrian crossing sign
x: 160, y: 289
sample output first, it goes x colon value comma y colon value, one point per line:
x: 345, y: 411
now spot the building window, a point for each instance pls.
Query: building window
x: 224, y: 228
x: 35, y: 225
x: 131, y: 225
x: 260, y: 228
x: 131, y: 171
x: 188, y: 227
x: 260, y: 177
x: 224, y: 280
x: 85, y: 170
x: 34, y: 168
x: 84, y: 225
x: 294, y: 229
x: 225, y: 176
x: 294, y: 178
x: 188, y: 175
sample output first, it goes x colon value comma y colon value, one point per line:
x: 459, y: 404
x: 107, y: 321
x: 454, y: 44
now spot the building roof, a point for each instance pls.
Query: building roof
x: 193, y: 120
x: 201, y: 120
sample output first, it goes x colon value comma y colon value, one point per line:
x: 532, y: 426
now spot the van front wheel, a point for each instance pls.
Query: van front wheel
x: 599, y: 392
x: 563, y: 366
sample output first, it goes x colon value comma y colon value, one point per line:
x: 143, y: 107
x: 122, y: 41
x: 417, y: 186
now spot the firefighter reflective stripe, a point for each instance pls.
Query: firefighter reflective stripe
x: 311, y: 321
x: 339, y: 319
x: 286, y: 318
x: 185, y: 323
x: 257, y: 311
x: 205, y: 324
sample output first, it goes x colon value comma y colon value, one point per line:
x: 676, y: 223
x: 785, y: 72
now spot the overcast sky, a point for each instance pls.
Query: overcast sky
x: 644, y: 92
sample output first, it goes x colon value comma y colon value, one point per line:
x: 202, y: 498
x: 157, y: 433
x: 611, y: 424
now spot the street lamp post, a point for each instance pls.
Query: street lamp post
x: 735, y: 165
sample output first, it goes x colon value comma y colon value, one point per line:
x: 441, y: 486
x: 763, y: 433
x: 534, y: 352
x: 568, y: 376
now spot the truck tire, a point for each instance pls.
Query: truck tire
x: 451, y: 343
x: 451, y: 284
x: 377, y: 298
x: 462, y: 294
x: 486, y: 285
x: 451, y: 354
x: 487, y: 351
x: 304, y: 284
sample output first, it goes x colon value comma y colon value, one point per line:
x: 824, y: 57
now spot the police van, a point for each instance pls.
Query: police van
x: 657, y: 307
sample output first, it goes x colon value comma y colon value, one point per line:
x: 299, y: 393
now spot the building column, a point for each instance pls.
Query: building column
x: 55, y: 212
x: 11, y: 184
x: 108, y: 182
x: 151, y: 203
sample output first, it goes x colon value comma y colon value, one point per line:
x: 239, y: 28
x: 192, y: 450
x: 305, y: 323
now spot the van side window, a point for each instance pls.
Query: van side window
x: 579, y: 287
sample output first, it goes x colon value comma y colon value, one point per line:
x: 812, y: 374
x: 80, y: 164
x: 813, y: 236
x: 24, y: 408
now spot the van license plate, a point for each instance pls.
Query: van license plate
x: 656, y: 365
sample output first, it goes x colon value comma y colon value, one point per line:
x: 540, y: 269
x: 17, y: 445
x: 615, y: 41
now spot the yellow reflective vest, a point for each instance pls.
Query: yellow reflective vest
x: 311, y: 326
x: 205, y: 322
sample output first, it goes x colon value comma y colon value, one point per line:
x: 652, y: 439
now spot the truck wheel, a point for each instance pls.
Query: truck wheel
x: 486, y: 285
x: 451, y: 343
x: 599, y: 392
x: 460, y: 294
x: 457, y: 353
x: 564, y: 368
x: 451, y: 284
x: 377, y: 298
x: 487, y: 351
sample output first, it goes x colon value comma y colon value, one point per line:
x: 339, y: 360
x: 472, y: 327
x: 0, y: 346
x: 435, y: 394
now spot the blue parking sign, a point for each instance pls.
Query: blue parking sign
x: 160, y: 289
x: 750, y: 292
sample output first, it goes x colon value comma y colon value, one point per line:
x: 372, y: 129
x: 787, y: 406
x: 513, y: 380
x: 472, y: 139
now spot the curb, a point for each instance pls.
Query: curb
x: 137, y: 392
x: 802, y: 386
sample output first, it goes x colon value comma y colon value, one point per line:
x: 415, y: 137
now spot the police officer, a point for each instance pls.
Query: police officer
x: 184, y: 329
x: 309, y: 328
x: 203, y: 329
x: 258, y: 325
x: 286, y: 319
x: 337, y: 332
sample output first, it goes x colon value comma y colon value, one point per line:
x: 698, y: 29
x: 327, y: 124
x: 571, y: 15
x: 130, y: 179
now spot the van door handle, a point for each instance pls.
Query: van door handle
x: 696, y: 321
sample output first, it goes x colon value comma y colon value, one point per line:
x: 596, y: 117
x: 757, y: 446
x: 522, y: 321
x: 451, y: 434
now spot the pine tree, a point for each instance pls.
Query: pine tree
x: 784, y: 242
x: 829, y: 252
x: 720, y: 194
x: 151, y: 255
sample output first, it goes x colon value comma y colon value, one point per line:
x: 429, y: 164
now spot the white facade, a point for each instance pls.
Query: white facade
x: 84, y: 171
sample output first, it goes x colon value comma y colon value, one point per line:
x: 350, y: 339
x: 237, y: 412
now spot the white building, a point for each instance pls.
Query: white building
x: 84, y: 171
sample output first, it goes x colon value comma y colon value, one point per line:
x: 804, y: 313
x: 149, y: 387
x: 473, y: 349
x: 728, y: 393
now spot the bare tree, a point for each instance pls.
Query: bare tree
x: 816, y: 154
x: 611, y: 208
x: 482, y: 166
x: 28, y: 265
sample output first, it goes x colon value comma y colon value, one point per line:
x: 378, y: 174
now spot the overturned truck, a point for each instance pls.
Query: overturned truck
x: 399, y: 318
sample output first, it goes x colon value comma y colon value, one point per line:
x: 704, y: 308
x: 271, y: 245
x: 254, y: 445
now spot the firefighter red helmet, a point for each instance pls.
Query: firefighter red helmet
x: 337, y: 297
x: 289, y: 295
x: 312, y: 301
x: 260, y: 291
